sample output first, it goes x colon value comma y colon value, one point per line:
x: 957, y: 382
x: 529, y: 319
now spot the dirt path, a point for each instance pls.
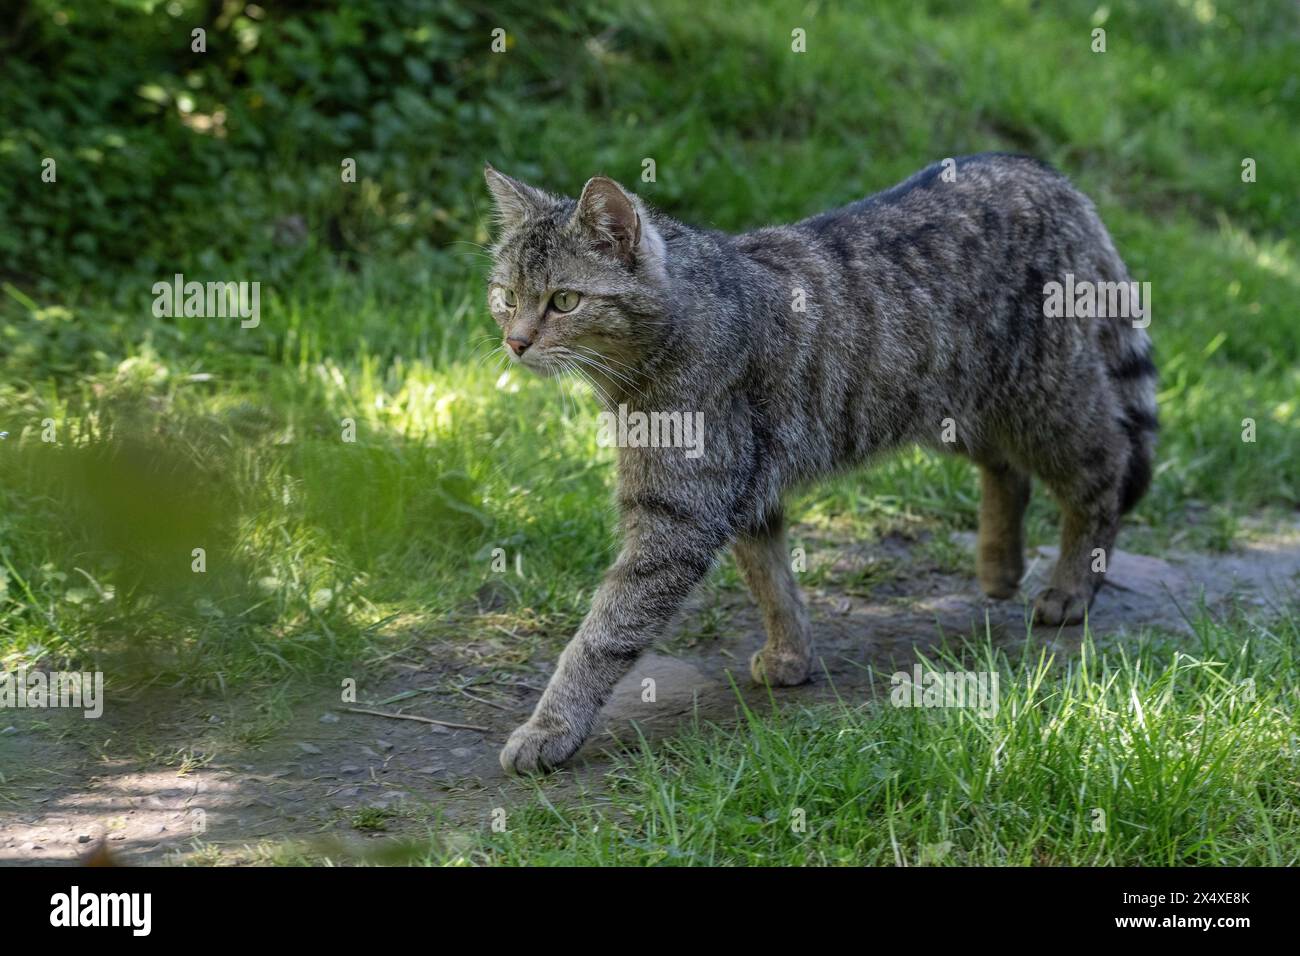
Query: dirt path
x: 172, y: 778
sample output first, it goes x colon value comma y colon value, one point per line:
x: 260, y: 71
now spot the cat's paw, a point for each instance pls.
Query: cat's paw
x: 999, y: 585
x: 779, y: 670
x: 535, y: 749
x: 1055, y: 607
x: 999, y: 572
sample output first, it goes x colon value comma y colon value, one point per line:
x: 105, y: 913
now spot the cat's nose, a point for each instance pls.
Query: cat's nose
x: 518, y: 346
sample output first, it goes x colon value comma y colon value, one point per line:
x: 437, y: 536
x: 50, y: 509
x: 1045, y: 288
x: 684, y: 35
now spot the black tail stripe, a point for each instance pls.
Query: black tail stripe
x: 1135, y: 366
x: 1139, y: 420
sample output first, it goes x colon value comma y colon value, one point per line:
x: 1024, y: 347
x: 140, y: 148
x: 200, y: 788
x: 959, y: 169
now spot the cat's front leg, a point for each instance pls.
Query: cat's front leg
x: 656, y: 571
x: 763, y: 557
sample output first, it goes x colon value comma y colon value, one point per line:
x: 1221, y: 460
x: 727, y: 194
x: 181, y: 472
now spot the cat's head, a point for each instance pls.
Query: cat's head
x: 576, y: 284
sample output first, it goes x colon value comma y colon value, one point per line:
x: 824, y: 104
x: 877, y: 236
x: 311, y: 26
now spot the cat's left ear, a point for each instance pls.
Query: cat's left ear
x: 515, y: 201
x: 615, y: 218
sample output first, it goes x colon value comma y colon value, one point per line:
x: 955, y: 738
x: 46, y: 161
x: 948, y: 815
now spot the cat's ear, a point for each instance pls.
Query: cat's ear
x: 613, y: 217
x: 515, y: 201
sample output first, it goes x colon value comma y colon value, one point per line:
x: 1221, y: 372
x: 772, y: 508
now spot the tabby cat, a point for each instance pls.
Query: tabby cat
x: 916, y: 315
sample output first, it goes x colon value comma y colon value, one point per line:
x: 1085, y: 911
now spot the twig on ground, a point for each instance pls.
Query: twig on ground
x: 423, y: 720
x: 483, y: 700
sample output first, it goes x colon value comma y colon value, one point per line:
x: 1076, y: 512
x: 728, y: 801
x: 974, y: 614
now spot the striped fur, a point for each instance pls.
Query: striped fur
x: 923, y: 319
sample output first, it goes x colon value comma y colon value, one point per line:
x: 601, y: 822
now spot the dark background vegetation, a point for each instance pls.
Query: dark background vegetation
x: 187, y: 161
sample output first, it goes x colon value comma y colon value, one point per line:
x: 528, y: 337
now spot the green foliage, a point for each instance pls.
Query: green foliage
x: 226, y: 165
x: 174, y: 160
x: 170, y: 159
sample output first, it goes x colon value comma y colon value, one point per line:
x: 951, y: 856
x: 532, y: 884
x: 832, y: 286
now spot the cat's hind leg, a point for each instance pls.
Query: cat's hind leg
x: 764, y: 560
x: 1088, y: 493
x: 1000, y: 552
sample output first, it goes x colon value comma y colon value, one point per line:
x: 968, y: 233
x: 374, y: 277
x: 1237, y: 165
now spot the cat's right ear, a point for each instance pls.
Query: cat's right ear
x: 515, y: 201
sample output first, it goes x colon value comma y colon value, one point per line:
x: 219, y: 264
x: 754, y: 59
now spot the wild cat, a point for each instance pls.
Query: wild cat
x: 916, y: 315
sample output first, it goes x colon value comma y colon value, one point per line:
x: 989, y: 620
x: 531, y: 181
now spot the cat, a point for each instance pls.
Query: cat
x: 916, y: 315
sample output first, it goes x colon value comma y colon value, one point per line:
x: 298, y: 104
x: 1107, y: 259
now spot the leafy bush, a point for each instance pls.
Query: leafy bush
x: 170, y: 159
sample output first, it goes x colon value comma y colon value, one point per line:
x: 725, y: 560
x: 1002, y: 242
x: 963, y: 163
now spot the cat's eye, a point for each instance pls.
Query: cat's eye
x: 565, y: 300
x: 506, y: 297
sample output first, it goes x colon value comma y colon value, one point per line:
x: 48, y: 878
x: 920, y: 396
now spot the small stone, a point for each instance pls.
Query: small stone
x: 309, y: 748
x: 383, y: 745
x: 462, y: 752
x: 349, y: 768
x: 439, y: 729
x: 84, y: 838
x: 8, y: 731
x: 328, y: 718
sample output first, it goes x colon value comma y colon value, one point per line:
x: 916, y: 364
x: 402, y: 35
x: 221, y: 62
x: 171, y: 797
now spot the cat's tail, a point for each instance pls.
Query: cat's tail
x: 1132, y: 372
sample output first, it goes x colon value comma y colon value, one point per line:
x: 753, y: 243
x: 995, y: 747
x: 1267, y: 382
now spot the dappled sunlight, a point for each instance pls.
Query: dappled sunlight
x: 1275, y: 256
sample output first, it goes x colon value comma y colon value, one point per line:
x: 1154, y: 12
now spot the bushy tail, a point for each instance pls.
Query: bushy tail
x: 1133, y: 373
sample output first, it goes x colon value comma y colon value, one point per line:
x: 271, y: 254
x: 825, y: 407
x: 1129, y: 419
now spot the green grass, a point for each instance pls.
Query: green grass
x: 1170, y: 752
x: 176, y: 434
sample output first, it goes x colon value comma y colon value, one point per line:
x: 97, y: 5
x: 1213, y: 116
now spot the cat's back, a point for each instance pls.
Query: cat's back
x: 983, y: 187
x: 973, y: 215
